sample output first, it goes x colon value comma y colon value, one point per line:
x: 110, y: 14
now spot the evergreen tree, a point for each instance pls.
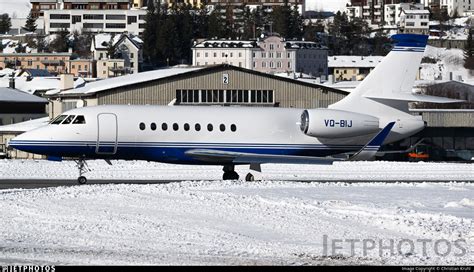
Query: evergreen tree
x: 295, y: 27
x: 61, y: 42
x: 30, y: 24
x: 249, y: 24
x: 149, y: 34
x: 469, y: 51
x: 111, y: 47
x: 200, y: 22
x: 41, y: 44
x: 5, y: 23
x: 215, y: 24
x: 281, y: 19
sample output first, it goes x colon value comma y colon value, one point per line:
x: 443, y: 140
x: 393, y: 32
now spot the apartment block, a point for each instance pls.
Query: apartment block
x: 109, y: 21
x: 415, y: 21
x: 38, y: 7
x: 272, y: 54
x: 55, y: 63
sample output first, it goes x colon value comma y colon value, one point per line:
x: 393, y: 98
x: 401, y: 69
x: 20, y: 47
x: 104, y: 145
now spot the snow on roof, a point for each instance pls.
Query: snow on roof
x: 101, y: 41
x: 416, y: 11
x: 25, y: 126
x: 354, y: 61
x: 14, y: 95
x: 137, y: 39
x: 121, y: 81
x: 226, y: 43
x: 36, y: 83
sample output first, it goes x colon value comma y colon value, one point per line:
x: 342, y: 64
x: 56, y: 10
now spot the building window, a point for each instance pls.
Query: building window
x: 264, y: 64
x: 233, y: 127
x: 210, y: 127
x: 115, y: 25
x: 115, y: 17
x: 240, y: 55
x: 131, y: 19
x: 197, y: 127
x: 175, y: 127
x: 93, y: 17
x: 272, y: 46
x: 198, y: 55
x: 264, y: 54
x: 153, y: 126
x: 59, y: 16
x: 164, y: 127
x: 142, y: 126
x: 186, y: 127
x: 76, y: 19
x: 222, y: 127
x: 215, y: 55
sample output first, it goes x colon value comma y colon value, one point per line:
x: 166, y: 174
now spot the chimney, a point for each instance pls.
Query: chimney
x: 11, y: 83
x: 66, y: 82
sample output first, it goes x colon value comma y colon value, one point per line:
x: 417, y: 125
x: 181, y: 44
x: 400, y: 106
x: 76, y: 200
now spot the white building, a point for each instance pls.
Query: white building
x: 393, y: 12
x: 415, y: 21
x: 353, y: 12
x: 462, y: 7
x: 270, y: 55
x: 457, y: 6
x: 109, y: 21
x: 128, y: 54
x: 236, y: 53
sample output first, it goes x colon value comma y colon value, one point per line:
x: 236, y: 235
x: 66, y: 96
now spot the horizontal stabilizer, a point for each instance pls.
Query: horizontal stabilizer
x: 410, y: 97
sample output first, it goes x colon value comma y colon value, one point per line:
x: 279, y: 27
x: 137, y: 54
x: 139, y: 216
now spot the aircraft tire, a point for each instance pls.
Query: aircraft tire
x: 249, y: 177
x: 82, y: 180
x: 230, y: 176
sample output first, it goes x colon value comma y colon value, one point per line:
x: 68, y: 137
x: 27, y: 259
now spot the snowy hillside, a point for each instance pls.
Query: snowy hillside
x: 447, y: 60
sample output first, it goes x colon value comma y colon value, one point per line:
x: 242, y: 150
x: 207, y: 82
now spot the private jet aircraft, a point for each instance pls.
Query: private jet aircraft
x: 376, y: 112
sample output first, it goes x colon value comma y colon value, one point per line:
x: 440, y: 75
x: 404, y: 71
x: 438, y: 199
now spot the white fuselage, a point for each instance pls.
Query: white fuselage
x: 128, y: 132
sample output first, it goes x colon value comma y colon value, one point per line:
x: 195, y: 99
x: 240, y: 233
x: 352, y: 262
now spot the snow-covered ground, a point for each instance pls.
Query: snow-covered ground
x: 339, y: 171
x: 447, y: 60
x: 275, y: 221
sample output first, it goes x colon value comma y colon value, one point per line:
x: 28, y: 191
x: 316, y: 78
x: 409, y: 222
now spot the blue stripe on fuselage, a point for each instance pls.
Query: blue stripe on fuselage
x: 171, y: 152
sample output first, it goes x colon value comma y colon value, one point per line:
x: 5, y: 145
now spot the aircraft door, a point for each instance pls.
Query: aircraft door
x: 107, y: 129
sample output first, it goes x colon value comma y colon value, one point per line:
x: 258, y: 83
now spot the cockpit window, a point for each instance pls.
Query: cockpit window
x: 79, y: 120
x: 68, y: 120
x: 58, y: 120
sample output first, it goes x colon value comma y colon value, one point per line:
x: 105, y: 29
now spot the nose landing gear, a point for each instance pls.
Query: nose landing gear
x: 83, y: 168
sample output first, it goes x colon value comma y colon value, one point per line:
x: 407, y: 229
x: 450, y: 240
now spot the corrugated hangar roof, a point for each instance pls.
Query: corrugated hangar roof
x: 13, y: 95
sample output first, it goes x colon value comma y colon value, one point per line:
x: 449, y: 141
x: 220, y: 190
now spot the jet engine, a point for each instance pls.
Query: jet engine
x: 329, y: 123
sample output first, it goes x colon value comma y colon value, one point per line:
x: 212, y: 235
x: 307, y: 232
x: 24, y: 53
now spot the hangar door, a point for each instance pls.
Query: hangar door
x: 107, y: 129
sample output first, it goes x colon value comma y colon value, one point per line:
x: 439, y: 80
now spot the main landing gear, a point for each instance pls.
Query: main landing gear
x: 83, y: 168
x: 230, y: 174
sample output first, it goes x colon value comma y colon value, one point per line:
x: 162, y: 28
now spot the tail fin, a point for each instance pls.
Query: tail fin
x: 394, y: 76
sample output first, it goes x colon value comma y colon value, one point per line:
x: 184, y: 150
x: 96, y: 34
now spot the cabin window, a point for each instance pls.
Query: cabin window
x: 68, y: 120
x: 186, y: 127
x: 164, y: 126
x: 233, y: 127
x: 153, y: 126
x: 222, y: 127
x: 58, y: 119
x: 79, y: 120
x: 197, y: 127
x: 210, y: 127
x: 175, y: 127
x: 142, y: 126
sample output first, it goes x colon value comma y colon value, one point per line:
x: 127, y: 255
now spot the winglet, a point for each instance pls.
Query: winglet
x: 371, y: 148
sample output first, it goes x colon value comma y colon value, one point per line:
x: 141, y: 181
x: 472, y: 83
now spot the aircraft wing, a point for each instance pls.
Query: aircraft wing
x: 209, y: 155
x: 368, y: 152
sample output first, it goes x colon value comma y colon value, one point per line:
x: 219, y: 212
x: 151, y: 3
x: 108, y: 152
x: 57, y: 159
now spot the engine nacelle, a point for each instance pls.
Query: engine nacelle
x: 328, y: 123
